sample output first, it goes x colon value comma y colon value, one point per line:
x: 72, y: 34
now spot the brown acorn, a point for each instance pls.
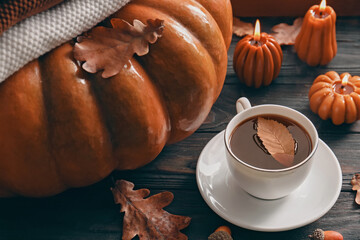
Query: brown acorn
x: 319, y: 234
x: 220, y: 235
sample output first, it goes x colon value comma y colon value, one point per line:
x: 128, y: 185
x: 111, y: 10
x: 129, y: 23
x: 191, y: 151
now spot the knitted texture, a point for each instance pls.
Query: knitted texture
x: 13, y: 11
x: 40, y: 33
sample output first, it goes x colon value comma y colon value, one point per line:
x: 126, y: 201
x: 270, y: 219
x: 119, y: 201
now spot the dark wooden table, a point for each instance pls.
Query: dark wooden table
x: 90, y: 213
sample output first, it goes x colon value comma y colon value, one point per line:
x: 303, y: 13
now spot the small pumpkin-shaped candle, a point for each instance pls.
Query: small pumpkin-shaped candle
x: 316, y: 42
x: 257, y: 59
x: 336, y: 97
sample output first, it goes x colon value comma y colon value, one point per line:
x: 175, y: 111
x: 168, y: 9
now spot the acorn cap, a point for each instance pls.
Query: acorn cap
x: 220, y: 235
x: 318, y: 234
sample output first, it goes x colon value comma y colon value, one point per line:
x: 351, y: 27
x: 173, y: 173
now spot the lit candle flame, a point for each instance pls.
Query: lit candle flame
x: 345, y: 80
x: 257, y: 31
x: 322, y: 5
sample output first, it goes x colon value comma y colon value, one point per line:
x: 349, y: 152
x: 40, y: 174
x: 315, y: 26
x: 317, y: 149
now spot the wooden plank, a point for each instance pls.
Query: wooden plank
x: 291, y: 95
x: 290, y: 8
x: 67, y: 217
x: 90, y: 213
x: 346, y: 60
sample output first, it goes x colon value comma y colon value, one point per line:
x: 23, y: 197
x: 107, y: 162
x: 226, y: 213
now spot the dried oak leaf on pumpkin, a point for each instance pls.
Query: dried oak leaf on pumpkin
x: 109, y: 49
x: 355, y: 182
x: 277, y: 140
x: 241, y: 28
x: 145, y: 217
x: 286, y: 34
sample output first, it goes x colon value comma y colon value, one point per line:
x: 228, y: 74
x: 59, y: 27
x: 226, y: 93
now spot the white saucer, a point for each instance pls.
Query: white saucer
x: 306, y: 204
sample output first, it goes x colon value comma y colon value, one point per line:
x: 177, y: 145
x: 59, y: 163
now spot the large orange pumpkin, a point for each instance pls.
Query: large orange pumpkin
x: 63, y: 128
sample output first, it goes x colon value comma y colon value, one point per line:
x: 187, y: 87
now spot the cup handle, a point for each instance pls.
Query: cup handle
x: 242, y: 104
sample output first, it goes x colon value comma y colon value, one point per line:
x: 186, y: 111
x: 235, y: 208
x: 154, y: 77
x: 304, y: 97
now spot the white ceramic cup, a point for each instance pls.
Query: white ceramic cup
x: 268, y: 183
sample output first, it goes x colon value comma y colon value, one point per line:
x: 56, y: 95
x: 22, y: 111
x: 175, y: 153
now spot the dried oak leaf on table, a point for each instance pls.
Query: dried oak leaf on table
x: 286, y: 34
x: 277, y: 140
x: 241, y: 28
x: 145, y: 217
x: 355, y: 182
x: 109, y: 49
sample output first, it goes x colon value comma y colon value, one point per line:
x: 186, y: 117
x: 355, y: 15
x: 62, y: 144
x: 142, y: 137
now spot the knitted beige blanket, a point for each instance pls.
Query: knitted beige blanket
x: 38, y: 34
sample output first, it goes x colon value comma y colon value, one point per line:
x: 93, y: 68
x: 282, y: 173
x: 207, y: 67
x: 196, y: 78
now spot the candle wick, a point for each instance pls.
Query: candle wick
x: 257, y: 42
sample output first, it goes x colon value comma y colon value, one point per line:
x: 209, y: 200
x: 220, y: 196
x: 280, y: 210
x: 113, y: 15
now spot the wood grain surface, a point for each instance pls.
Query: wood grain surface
x: 274, y: 8
x: 90, y: 213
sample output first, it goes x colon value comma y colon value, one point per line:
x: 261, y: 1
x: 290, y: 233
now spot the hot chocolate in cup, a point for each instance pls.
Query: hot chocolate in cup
x: 262, y: 182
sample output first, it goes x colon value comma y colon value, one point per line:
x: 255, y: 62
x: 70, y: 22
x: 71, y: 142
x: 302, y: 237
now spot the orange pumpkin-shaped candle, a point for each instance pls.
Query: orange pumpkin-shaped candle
x: 316, y: 42
x: 336, y: 97
x: 257, y: 59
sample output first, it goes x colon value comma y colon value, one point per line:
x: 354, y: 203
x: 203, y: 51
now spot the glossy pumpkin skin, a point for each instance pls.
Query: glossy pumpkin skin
x: 316, y: 42
x: 61, y: 127
x: 341, y: 108
x: 257, y: 66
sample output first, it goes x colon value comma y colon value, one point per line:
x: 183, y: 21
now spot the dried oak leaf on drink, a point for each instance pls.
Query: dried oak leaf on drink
x: 355, y: 182
x: 277, y: 140
x: 109, y: 49
x: 145, y: 217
